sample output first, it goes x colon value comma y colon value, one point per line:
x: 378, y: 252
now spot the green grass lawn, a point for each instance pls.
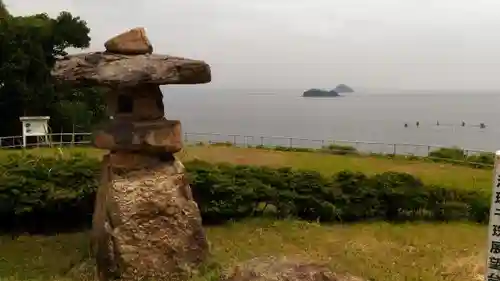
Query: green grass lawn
x: 448, y: 175
x: 382, y: 251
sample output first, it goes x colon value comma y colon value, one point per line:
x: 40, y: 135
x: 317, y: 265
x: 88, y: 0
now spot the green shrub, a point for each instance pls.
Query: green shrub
x: 294, y: 149
x: 458, y: 156
x: 355, y: 199
x: 223, y: 144
x: 58, y: 193
x: 482, y: 158
x: 43, y: 192
x: 401, y: 194
x: 453, y: 153
x: 340, y: 149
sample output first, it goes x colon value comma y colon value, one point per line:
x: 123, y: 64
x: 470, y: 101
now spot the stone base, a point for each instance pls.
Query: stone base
x: 146, y: 223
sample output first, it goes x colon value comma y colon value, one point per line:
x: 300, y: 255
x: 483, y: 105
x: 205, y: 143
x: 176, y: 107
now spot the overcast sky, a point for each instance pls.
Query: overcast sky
x: 373, y: 44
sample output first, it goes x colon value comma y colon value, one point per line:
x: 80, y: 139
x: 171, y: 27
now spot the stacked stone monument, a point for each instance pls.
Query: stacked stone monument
x: 146, y: 224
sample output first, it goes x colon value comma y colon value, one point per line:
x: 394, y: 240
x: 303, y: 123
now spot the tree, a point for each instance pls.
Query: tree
x: 29, y: 47
x: 3, y: 10
x: 79, y: 109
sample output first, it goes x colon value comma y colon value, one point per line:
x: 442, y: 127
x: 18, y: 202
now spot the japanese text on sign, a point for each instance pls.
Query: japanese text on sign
x: 493, y: 260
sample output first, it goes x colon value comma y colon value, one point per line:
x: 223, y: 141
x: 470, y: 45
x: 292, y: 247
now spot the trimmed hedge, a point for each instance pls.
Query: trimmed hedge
x: 56, y: 193
x: 45, y: 193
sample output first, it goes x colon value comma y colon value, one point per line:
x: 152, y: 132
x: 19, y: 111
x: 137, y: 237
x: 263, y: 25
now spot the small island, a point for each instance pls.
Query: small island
x: 343, y: 88
x: 320, y: 93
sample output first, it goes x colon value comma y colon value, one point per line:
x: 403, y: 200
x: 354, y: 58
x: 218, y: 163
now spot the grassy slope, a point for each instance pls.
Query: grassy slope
x: 426, y: 252
x: 433, y: 173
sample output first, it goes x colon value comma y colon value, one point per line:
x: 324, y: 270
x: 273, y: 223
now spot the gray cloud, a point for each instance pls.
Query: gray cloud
x: 410, y: 44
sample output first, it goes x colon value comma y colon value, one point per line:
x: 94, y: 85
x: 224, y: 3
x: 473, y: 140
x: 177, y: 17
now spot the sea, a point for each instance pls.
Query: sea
x: 373, y: 120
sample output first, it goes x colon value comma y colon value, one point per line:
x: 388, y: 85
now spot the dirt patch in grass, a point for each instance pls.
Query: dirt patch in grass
x: 235, y: 155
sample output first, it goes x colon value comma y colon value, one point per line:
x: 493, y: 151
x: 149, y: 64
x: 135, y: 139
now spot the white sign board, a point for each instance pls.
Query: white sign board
x: 493, y: 250
x: 34, y: 126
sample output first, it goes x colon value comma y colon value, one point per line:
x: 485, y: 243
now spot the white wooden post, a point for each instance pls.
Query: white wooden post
x: 493, y: 248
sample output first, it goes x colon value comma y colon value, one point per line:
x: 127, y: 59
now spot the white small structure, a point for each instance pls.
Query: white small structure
x: 36, y: 126
x: 493, y: 257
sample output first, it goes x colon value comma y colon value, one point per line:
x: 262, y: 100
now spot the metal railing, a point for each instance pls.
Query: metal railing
x: 295, y: 142
x: 59, y: 139
x: 82, y: 139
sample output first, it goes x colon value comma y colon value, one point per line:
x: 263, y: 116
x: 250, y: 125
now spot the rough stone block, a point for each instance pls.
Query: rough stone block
x: 108, y: 69
x: 132, y: 42
x: 145, y: 136
x: 283, y: 268
x: 146, y: 102
x: 146, y: 224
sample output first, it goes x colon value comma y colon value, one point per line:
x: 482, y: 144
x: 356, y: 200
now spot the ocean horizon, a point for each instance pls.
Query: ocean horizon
x: 375, y: 116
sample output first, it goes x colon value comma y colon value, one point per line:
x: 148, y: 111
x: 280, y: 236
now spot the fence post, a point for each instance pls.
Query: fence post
x: 185, y: 137
x: 394, y: 149
x: 234, y: 140
x: 262, y: 141
x: 290, y: 142
x: 492, y: 271
x: 73, y: 136
x: 428, y: 150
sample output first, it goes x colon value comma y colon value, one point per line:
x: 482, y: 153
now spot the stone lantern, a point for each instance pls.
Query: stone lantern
x: 146, y: 224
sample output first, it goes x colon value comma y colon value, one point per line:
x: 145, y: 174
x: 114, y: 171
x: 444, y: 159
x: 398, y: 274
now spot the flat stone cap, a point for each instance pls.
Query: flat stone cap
x: 128, y: 61
x: 111, y: 69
